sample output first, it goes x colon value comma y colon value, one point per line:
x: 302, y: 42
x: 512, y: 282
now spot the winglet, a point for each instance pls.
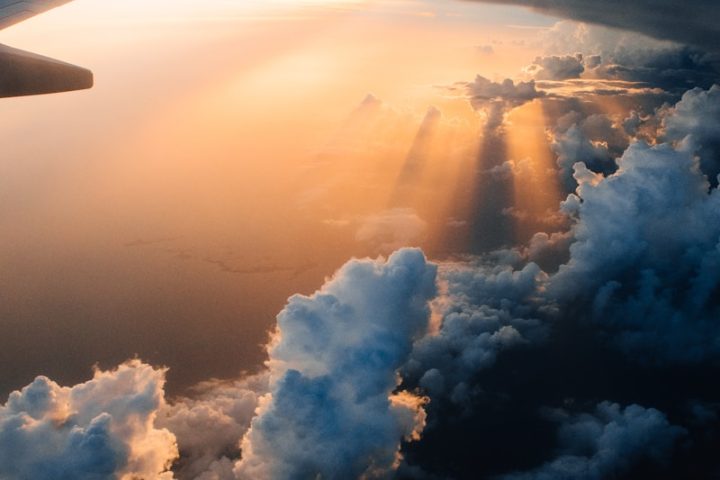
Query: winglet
x: 24, y: 73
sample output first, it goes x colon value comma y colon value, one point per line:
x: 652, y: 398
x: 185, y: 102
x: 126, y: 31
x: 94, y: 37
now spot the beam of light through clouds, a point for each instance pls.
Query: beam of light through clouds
x: 551, y: 187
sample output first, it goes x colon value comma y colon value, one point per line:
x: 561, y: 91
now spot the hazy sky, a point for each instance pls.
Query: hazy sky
x: 215, y: 168
x: 412, y: 239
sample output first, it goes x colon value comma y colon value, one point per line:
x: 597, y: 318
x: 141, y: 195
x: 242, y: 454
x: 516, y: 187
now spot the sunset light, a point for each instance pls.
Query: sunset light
x: 359, y: 239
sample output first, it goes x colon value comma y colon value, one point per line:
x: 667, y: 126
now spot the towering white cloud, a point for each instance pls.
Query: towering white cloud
x: 332, y: 411
x: 97, y: 430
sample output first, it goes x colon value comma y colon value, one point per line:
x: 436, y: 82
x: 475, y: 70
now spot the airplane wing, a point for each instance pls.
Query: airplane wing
x: 15, y: 11
x: 23, y: 73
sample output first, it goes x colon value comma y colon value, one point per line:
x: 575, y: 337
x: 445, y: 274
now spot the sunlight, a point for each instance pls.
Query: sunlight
x: 537, y: 190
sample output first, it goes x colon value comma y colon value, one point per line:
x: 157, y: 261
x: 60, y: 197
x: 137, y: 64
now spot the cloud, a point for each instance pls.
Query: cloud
x: 625, y: 305
x: 334, y: 410
x: 593, y: 140
x: 100, y: 429
x: 557, y: 67
x: 485, y: 309
x: 210, y: 424
x: 391, y: 229
x: 693, y: 22
x: 695, y: 120
x: 607, y: 443
x: 483, y: 91
x: 609, y: 54
x: 495, y: 99
x: 645, y: 254
x: 485, y: 49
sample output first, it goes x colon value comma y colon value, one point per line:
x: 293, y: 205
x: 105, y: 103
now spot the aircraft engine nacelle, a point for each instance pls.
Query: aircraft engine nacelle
x: 24, y: 73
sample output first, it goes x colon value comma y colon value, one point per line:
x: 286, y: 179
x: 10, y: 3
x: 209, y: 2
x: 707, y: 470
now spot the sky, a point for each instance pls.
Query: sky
x: 406, y: 239
x: 188, y: 189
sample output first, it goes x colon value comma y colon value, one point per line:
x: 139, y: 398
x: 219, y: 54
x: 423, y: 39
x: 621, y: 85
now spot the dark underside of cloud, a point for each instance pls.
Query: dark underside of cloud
x: 694, y: 22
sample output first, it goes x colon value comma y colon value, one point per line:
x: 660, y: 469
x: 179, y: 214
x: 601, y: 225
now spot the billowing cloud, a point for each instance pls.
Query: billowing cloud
x: 557, y: 67
x: 627, y: 56
x: 692, y: 22
x: 485, y: 310
x: 695, y: 121
x: 635, y: 296
x: 333, y: 410
x: 606, y: 443
x: 401, y: 368
x: 483, y: 91
x: 632, y: 228
x: 210, y: 424
x: 497, y: 98
x: 100, y: 429
x: 593, y: 140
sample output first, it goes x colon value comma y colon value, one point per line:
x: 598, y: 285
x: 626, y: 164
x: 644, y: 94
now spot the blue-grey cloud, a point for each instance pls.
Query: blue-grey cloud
x: 557, y: 67
x: 100, y: 429
x: 333, y: 410
x: 695, y: 121
x: 606, y: 443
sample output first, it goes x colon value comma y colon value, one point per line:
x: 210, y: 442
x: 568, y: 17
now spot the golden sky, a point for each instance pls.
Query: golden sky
x: 225, y: 160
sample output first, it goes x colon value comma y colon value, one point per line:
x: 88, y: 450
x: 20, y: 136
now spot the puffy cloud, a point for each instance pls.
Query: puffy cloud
x: 607, y: 444
x: 557, y: 67
x: 100, y: 429
x: 691, y: 22
x: 496, y: 98
x: 632, y: 308
x: 695, y: 120
x: 646, y: 253
x: 593, y: 139
x: 483, y: 91
x: 210, y: 424
x: 333, y: 410
x: 485, y: 310
x: 613, y: 55
x: 573, y: 146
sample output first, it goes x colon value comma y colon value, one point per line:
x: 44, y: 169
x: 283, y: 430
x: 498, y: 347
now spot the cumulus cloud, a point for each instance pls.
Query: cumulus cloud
x: 692, y: 22
x: 626, y: 56
x: 695, y: 121
x: 557, y: 67
x: 485, y: 309
x: 627, y: 285
x: 483, y: 90
x: 210, y: 423
x: 592, y: 139
x: 334, y: 410
x: 100, y: 429
x: 607, y: 443
x: 645, y: 254
x: 496, y: 98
